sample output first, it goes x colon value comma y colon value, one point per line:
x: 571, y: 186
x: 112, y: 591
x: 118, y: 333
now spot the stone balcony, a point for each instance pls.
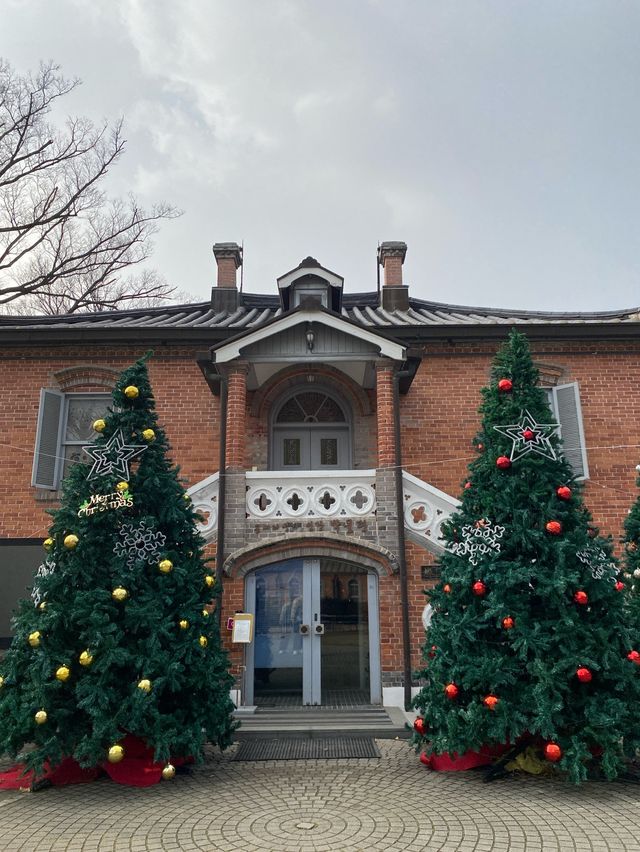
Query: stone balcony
x: 277, y: 496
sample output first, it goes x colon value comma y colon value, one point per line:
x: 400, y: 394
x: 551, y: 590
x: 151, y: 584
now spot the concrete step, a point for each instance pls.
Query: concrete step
x: 379, y: 722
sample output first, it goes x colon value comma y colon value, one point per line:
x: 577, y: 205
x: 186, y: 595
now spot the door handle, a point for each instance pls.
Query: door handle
x: 319, y: 629
x: 304, y: 629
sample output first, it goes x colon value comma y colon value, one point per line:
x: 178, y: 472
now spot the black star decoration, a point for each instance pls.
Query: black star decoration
x: 530, y: 437
x: 113, y: 457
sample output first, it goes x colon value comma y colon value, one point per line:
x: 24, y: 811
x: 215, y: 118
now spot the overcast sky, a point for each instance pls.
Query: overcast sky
x: 500, y: 139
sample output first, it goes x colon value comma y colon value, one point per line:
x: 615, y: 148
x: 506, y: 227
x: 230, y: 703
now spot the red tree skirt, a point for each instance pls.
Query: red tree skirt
x: 67, y: 772
x: 136, y: 769
x: 458, y: 762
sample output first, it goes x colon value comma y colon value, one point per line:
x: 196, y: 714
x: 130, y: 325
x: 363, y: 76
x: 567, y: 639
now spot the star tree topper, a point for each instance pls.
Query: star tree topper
x: 530, y: 437
x: 113, y: 457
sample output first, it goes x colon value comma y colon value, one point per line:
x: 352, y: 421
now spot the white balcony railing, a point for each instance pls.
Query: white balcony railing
x: 425, y: 509
x: 204, y: 497
x: 280, y: 495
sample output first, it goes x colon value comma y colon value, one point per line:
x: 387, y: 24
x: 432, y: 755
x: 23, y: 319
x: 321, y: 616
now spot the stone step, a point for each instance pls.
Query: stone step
x: 379, y: 722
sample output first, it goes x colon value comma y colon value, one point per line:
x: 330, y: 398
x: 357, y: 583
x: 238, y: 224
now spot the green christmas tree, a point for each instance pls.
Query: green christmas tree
x: 529, y: 639
x: 631, y: 543
x: 118, y: 638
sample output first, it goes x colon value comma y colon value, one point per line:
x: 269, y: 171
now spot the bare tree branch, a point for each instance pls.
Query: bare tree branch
x: 64, y: 246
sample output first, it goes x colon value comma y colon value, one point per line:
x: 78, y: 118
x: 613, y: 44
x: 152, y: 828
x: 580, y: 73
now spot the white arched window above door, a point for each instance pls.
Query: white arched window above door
x: 310, y: 430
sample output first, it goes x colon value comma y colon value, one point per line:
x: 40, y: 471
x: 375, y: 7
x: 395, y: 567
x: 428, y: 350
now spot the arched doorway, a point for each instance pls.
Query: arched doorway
x: 311, y: 430
x: 316, y: 633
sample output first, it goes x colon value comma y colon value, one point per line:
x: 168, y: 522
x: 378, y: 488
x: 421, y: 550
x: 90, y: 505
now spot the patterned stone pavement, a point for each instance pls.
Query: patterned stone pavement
x: 325, y: 806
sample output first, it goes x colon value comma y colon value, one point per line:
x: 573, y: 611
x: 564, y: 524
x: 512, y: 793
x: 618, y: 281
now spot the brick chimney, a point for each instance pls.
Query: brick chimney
x: 224, y: 296
x: 395, y: 295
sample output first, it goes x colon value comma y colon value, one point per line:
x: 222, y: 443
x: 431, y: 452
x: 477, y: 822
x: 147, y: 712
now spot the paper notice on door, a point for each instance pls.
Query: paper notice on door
x: 242, y: 628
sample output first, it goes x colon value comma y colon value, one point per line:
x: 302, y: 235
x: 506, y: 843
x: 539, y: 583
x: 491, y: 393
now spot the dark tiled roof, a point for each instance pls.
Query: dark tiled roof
x: 361, y: 308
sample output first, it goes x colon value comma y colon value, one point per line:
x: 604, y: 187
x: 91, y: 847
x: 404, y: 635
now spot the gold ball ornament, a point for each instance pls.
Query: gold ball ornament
x: 205, y: 613
x: 34, y: 638
x: 119, y: 594
x: 41, y: 717
x: 186, y: 497
x: 148, y: 434
x: 1, y: 681
x: 203, y: 641
x: 165, y: 566
x: 85, y: 658
x: 209, y: 580
x: 63, y: 673
x: 131, y: 392
x: 183, y: 624
x: 122, y: 486
x: 71, y: 541
x: 144, y: 685
x: 115, y: 754
x: 168, y: 772
x: 48, y: 543
x: 98, y: 425
x: 42, y: 605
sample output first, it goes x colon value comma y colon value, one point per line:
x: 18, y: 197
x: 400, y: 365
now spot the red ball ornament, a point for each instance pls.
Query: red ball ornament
x: 553, y: 527
x: 584, y: 675
x: 467, y: 485
x: 581, y: 598
x: 503, y: 462
x: 446, y: 589
x: 505, y: 385
x: 553, y: 752
x: 508, y: 623
x: 479, y: 447
x: 564, y: 492
x: 451, y: 691
x: 479, y: 588
x: 419, y: 726
x: 634, y: 657
x: 433, y: 650
x: 425, y: 760
x: 528, y: 435
x: 619, y: 586
x: 490, y: 701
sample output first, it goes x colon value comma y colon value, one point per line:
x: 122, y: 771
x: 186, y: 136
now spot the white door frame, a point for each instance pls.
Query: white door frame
x: 311, y: 643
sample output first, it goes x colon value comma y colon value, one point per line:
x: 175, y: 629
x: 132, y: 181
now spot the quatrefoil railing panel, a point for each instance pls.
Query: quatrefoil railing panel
x: 278, y: 495
x: 425, y: 510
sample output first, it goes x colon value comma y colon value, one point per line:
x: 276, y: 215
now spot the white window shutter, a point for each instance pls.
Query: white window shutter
x: 566, y: 402
x: 47, y: 462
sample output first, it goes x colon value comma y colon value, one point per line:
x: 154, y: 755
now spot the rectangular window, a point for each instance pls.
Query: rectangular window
x: 291, y: 452
x: 328, y: 451
x: 81, y: 410
x: 64, y: 425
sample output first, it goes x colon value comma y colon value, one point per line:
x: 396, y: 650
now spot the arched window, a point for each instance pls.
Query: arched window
x: 311, y: 431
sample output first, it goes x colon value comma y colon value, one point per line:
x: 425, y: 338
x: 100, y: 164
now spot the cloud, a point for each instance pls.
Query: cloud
x: 500, y: 141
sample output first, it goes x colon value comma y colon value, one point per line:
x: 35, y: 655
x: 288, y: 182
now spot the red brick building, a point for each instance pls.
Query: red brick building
x: 324, y: 436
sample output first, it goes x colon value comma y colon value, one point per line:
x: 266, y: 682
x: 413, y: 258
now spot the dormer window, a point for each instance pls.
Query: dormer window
x: 310, y: 294
x: 311, y: 285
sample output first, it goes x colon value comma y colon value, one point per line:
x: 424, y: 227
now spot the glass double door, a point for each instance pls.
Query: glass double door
x: 315, y: 620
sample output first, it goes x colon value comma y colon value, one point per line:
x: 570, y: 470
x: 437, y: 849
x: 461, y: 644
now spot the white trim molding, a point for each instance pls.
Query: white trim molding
x: 229, y: 351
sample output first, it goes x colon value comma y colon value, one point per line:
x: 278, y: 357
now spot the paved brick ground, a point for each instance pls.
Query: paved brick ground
x: 329, y: 806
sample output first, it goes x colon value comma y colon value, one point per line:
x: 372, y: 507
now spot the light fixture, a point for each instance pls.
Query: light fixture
x: 311, y: 337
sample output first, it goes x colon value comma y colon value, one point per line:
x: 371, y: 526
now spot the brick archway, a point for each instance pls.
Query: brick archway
x: 294, y: 376
x: 244, y: 560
